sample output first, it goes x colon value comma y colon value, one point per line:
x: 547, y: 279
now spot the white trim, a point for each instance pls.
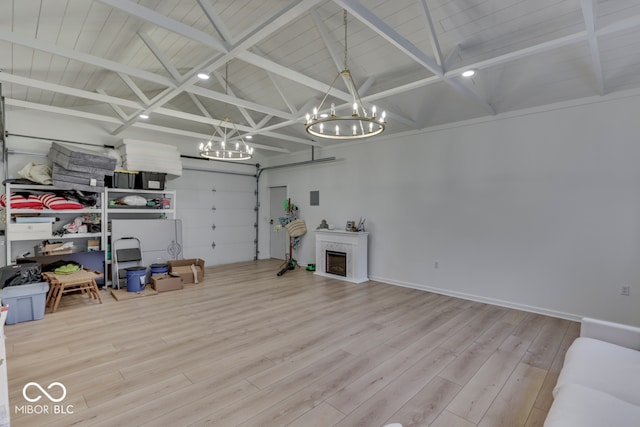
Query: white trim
x: 477, y: 298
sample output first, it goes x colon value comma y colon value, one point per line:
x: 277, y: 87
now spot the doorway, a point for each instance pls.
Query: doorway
x: 278, y: 239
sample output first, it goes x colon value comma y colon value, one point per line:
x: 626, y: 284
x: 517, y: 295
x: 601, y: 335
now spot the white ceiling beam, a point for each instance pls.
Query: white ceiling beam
x: 59, y: 110
x: 149, y: 15
x: 160, y: 56
x: 65, y: 90
x: 218, y: 96
x: 256, y: 34
x: 266, y: 64
x: 588, y: 12
x: 622, y: 25
x: 365, y: 16
x: 216, y: 22
x: 264, y: 120
x: 119, y: 111
x: 199, y: 105
x: 113, y: 120
x: 432, y: 31
x: 85, y: 58
x: 134, y: 87
x: 242, y: 110
x: 330, y: 44
x: 451, y: 58
x: 522, y: 53
x: 393, y: 37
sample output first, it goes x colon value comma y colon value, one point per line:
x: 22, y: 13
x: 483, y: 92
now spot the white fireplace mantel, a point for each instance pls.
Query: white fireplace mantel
x: 354, y: 244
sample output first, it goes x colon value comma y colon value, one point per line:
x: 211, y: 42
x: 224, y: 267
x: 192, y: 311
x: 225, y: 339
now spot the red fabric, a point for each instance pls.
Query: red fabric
x: 51, y: 201
x: 19, y: 201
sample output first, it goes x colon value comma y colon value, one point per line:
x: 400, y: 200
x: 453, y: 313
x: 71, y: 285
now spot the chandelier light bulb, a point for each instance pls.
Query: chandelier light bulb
x: 337, y: 130
x: 355, y: 108
x: 315, y: 113
x: 354, y: 129
x: 321, y: 127
x: 373, y: 111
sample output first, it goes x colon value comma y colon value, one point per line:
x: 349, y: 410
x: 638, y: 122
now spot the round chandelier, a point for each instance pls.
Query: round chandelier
x: 225, y: 149
x: 359, y: 124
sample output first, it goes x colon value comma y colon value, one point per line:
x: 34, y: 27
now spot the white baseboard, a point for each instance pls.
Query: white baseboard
x: 477, y: 298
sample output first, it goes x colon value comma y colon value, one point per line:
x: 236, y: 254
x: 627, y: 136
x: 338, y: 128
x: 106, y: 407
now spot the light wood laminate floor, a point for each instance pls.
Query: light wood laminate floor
x: 248, y: 348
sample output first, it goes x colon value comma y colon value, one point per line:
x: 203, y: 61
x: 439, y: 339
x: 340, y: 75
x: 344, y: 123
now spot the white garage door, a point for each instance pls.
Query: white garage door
x: 218, y: 216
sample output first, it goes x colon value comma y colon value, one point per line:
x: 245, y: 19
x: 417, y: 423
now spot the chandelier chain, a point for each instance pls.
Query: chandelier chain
x: 345, y: 39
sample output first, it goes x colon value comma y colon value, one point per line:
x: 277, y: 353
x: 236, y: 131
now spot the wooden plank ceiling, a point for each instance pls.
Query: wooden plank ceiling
x: 110, y: 60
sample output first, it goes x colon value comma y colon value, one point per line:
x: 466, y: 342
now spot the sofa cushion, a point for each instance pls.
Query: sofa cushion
x: 578, y: 406
x: 602, y: 366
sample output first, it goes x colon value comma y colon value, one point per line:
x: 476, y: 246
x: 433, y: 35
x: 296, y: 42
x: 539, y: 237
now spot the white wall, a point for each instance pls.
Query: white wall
x: 538, y: 210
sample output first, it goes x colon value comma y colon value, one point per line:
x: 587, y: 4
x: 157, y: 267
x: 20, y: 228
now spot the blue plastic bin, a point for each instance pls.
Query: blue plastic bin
x: 26, y: 302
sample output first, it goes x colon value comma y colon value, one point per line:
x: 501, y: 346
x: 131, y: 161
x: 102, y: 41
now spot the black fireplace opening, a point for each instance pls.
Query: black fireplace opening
x: 336, y: 263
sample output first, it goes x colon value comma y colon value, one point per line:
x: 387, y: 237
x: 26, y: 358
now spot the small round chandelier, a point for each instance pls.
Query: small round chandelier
x: 224, y: 149
x: 359, y: 124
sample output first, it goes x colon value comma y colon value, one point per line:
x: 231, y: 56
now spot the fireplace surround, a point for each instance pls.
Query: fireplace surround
x: 342, y: 255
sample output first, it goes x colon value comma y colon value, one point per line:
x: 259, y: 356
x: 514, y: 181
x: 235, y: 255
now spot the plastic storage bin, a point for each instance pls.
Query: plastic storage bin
x: 150, y: 180
x: 26, y: 302
x: 125, y: 180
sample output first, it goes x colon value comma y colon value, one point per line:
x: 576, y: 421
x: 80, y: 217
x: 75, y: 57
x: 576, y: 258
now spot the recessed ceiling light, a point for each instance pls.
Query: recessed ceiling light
x: 249, y: 136
x: 468, y: 73
x: 144, y: 116
x: 203, y: 75
x: 324, y: 115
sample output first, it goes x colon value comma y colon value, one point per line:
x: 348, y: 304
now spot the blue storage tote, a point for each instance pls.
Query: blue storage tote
x: 26, y: 302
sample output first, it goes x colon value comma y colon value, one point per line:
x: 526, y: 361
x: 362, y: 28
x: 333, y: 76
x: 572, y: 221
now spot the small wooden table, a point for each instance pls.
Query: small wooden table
x: 83, y: 280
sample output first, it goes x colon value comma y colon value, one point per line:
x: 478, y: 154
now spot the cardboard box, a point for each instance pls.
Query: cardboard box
x: 182, y: 267
x: 165, y: 282
x: 50, y: 249
x: 93, y: 245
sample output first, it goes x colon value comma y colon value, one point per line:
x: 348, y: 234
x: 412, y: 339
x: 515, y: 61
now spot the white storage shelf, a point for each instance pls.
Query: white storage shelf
x: 24, y: 232
x: 135, y: 213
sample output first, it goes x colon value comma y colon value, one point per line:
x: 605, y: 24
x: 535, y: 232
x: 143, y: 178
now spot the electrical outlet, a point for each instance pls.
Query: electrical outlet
x: 625, y: 290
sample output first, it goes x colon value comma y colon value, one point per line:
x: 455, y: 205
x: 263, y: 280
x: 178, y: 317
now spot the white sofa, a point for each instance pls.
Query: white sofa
x: 599, y: 384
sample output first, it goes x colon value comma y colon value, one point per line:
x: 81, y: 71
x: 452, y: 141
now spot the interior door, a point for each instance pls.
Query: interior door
x: 277, y: 245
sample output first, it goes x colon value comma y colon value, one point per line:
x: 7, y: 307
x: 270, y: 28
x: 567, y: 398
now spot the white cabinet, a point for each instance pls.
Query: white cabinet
x: 32, y: 233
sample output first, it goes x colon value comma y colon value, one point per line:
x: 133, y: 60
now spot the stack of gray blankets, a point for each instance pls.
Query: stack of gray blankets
x: 78, y: 169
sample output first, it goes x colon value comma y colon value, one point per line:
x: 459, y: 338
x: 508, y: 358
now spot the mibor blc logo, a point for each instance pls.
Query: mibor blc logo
x: 54, y: 392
